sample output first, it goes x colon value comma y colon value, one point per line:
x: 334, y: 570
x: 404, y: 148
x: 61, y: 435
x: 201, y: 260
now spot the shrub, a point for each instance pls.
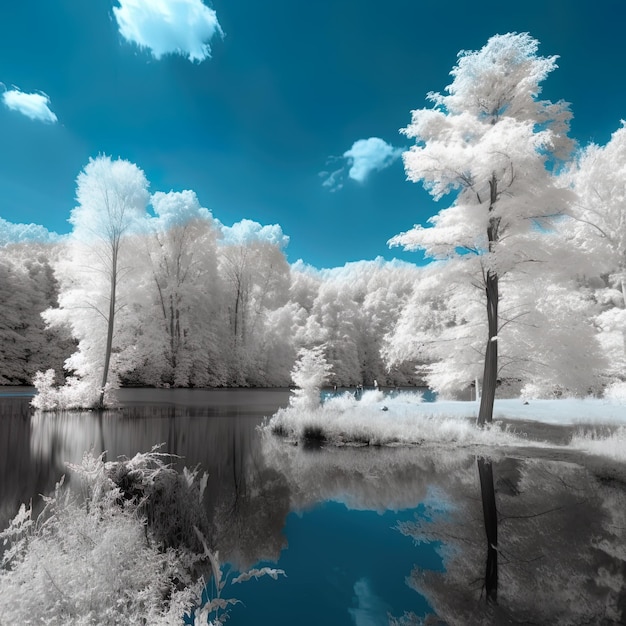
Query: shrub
x: 95, y: 558
x: 309, y: 374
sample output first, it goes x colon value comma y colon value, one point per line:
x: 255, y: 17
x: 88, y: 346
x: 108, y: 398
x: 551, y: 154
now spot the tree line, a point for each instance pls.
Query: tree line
x: 525, y: 291
x: 179, y: 305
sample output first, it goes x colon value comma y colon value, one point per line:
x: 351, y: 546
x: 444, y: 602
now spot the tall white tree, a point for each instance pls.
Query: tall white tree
x: 95, y: 270
x: 490, y: 140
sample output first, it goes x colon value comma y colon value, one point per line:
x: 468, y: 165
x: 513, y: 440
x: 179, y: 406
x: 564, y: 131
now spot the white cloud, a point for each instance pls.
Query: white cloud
x: 32, y: 105
x: 364, y: 157
x: 246, y: 231
x: 333, y: 180
x: 368, y: 155
x: 182, y: 27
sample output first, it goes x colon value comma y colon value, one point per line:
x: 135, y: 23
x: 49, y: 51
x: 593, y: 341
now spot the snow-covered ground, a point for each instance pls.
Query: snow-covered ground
x: 599, y: 426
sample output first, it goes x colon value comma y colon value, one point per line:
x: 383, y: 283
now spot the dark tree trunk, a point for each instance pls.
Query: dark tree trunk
x: 490, y: 515
x: 490, y: 372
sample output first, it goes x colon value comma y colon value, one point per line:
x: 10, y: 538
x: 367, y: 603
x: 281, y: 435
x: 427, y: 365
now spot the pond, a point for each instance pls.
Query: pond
x: 365, y: 535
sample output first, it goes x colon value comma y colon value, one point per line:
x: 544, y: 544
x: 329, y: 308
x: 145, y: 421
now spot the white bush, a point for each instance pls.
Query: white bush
x: 91, y: 561
x: 616, y: 391
x: 309, y: 374
x: 47, y: 394
x: 77, y: 393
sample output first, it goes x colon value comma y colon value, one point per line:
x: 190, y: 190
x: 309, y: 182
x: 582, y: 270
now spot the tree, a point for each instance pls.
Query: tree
x: 490, y: 140
x: 256, y: 281
x: 27, y: 287
x: 598, y: 229
x: 550, y: 343
x: 309, y: 374
x: 112, y: 196
x: 184, y: 293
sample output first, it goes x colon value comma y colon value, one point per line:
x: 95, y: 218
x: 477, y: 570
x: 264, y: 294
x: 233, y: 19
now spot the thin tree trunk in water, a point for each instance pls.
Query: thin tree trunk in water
x: 110, y: 325
x: 490, y: 372
x: 490, y: 515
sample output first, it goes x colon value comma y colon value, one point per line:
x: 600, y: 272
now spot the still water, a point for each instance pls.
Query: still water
x: 364, y: 535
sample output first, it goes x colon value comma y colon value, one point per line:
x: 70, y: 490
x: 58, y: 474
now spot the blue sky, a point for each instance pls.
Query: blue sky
x: 289, y: 89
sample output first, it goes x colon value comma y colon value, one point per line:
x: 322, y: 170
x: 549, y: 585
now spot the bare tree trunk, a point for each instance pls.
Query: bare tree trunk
x: 490, y: 516
x: 490, y: 372
x: 110, y: 325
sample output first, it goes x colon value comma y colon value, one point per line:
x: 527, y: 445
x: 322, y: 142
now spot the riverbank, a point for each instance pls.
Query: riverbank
x: 592, y: 425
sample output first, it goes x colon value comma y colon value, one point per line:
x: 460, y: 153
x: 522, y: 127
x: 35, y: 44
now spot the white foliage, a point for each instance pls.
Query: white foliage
x: 613, y: 445
x: 403, y: 419
x: 616, y: 391
x: 248, y: 231
x: 86, y: 560
x: 492, y: 143
x: 309, y: 374
x: 597, y: 228
x: 481, y: 139
x: 13, y: 233
x: 259, y: 573
x: 94, y: 273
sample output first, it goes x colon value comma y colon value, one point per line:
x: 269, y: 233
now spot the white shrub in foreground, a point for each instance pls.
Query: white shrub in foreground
x: 127, y: 550
x: 91, y: 561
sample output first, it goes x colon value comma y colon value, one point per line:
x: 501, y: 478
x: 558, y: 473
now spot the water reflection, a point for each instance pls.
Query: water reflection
x: 554, y: 552
x: 486, y: 538
x: 214, y: 429
x: 490, y: 517
x: 523, y: 540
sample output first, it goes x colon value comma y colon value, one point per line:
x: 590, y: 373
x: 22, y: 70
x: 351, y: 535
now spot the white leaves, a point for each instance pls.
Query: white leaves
x: 309, y: 373
x: 500, y: 79
x: 86, y: 559
x: 259, y: 573
x: 214, y: 559
x: 14, y: 536
x: 111, y: 196
x: 599, y: 213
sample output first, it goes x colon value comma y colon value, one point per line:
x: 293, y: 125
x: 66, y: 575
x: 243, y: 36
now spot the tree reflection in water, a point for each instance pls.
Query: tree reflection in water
x: 213, y: 429
x: 490, y: 516
x: 559, y: 557
x: 555, y: 530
